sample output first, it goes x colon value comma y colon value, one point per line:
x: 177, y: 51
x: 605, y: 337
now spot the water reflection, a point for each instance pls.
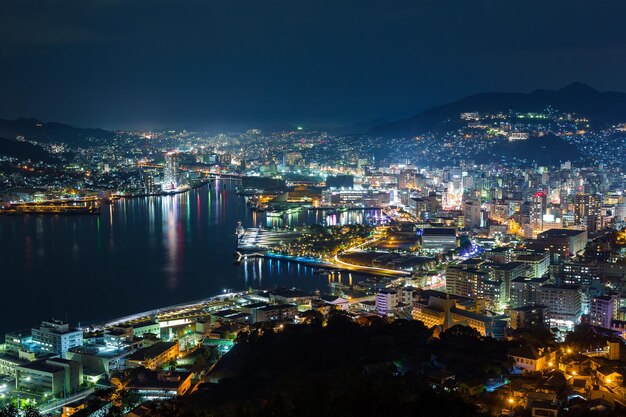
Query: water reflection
x: 139, y: 254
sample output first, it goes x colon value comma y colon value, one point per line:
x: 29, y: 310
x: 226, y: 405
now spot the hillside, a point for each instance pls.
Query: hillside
x: 545, y: 150
x: 23, y: 151
x: 32, y: 129
x: 576, y: 98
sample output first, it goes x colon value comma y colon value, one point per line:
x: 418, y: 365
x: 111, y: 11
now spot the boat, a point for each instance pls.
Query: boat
x: 274, y: 213
x: 22, y: 209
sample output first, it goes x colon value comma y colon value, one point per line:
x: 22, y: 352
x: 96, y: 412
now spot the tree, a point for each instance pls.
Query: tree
x: 8, y: 411
x: 585, y: 337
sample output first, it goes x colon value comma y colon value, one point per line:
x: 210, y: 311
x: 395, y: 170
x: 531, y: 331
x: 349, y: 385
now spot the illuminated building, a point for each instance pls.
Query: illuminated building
x: 149, y: 184
x: 537, y: 210
x: 9, y: 364
x: 564, y: 242
x: 155, y: 356
x: 407, y: 179
x: 469, y: 281
x: 453, y: 195
x: 586, y: 210
x: 564, y: 304
x: 537, y: 263
x: 472, y: 213
x: 170, y: 174
x: 444, y: 311
x: 525, y: 291
x: 533, y: 359
x: 507, y: 273
x: 386, y: 301
x: 527, y: 316
x: 580, y: 273
x: 473, y: 116
x: 438, y: 239
x: 57, y: 337
x: 424, y: 208
x: 603, y: 309
x: 515, y: 136
x: 292, y: 158
x: 52, y: 376
x: 390, y: 300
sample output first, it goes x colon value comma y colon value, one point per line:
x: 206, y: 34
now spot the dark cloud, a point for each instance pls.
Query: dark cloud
x: 172, y: 63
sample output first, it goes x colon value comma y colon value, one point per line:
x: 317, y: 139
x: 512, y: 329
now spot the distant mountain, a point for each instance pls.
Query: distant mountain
x: 32, y: 129
x: 576, y: 98
x: 24, y: 150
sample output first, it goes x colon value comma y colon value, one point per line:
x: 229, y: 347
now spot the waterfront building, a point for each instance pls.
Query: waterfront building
x: 170, y: 173
x: 155, y: 356
x: 9, y: 364
x: 274, y: 312
x: 55, y: 336
x: 54, y: 376
x: 18, y: 341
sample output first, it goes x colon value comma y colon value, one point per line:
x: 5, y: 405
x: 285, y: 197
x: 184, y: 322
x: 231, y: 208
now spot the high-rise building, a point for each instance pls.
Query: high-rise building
x: 586, y: 210
x: 580, y: 273
x: 170, y: 174
x: 527, y: 316
x: 525, y: 291
x: 386, y: 301
x: 603, y: 309
x: 507, y: 273
x: 475, y: 283
x: 537, y: 264
x: 471, y: 211
x: 537, y: 210
x: 564, y: 304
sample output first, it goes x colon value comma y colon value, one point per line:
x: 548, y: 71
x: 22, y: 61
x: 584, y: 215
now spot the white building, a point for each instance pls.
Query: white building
x: 55, y: 336
x: 603, y: 309
x: 564, y: 304
x: 386, y: 301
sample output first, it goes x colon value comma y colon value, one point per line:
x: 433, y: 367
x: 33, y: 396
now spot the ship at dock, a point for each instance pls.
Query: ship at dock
x: 59, y: 207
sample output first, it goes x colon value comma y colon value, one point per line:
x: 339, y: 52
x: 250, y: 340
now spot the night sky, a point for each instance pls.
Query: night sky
x: 228, y: 63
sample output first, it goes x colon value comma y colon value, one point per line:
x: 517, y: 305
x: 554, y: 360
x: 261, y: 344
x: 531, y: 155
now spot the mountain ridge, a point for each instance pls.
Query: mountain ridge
x: 577, y: 97
x: 37, y: 130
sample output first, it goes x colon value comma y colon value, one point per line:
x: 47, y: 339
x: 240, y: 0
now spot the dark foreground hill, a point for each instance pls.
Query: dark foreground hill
x: 342, y: 369
x: 578, y: 98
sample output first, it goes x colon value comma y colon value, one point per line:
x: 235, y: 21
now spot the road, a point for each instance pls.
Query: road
x: 367, y: 269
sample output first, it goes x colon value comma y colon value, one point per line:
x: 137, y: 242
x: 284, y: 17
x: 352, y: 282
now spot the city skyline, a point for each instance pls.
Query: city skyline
x: 292, y: 208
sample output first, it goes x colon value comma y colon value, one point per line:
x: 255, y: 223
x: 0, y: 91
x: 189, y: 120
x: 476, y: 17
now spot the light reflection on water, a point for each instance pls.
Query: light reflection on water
x: 137, y: 255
